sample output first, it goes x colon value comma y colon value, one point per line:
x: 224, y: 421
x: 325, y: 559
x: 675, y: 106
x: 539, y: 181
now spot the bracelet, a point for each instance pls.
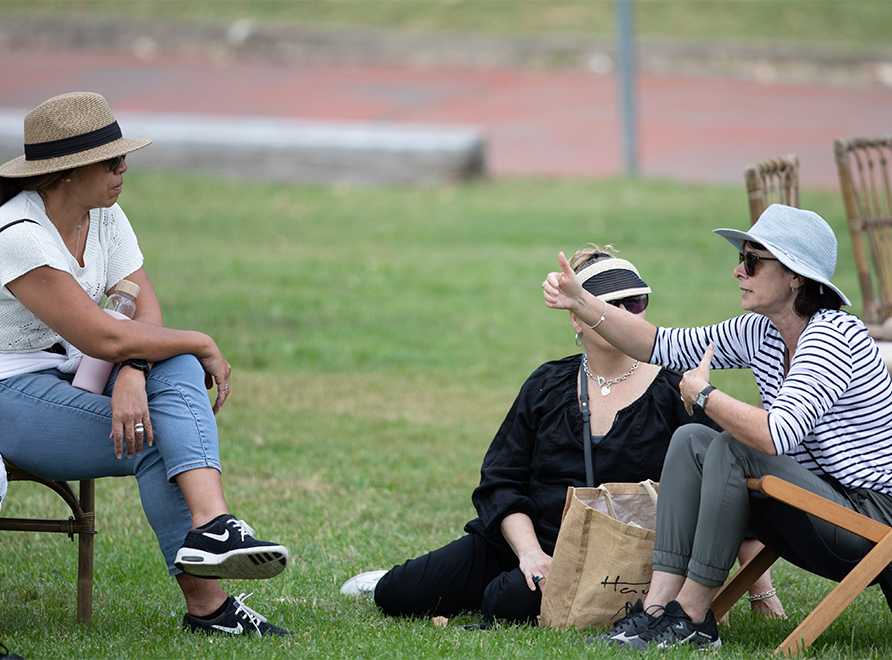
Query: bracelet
x: 600, y: 319
x: 768, y: 594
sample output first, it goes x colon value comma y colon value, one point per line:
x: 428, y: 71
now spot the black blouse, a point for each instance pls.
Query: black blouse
x: 538, y: 452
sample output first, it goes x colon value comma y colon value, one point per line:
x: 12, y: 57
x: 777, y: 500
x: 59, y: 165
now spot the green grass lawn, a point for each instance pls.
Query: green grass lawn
x: 846, y: 23
x: 378, y: 337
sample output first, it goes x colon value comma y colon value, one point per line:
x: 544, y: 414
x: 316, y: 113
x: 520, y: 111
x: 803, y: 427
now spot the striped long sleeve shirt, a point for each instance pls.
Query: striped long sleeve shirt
x: 833, y: 411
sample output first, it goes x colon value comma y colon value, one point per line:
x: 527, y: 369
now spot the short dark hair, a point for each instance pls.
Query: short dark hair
x: 813, y: 296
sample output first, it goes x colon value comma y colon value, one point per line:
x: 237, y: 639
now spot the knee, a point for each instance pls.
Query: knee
x: 394, y: 597
x: 179, y: 368
x: 690, y: 441
x: 725, y: 450
x: 508, y: 598
x: 385, y: 592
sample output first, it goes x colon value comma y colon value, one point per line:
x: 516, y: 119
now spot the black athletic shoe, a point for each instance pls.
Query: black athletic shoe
x: 237, y: 619
x: 635, y: 621
x: 675, y: 628
x: 225, y: 548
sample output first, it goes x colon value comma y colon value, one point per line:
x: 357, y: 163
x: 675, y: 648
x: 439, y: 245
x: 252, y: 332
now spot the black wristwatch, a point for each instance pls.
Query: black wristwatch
x: 701, y: 399
x: 142, y: 365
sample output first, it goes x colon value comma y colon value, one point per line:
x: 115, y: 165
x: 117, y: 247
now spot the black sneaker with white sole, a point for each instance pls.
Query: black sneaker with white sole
x: 236, y: 619
x: 675, y: 628
x: 225, y: 548
x: 635, y: 621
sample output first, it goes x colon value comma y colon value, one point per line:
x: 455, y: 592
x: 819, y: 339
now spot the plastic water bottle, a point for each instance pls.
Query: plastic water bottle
x: 92, y: 373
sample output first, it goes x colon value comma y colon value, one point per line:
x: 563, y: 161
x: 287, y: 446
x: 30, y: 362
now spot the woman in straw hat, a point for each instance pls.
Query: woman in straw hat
x: 64, y: 244
x: 826, y: 424
x: 498, y: 566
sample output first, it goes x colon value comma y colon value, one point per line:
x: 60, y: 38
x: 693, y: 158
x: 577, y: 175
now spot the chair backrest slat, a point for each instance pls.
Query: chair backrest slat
x: 863, y: 165
x: 772, y: 181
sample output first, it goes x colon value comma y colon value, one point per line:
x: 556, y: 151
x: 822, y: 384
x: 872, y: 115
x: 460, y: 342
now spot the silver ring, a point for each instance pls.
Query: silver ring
x: 139, y: 428
x: 226, y: 386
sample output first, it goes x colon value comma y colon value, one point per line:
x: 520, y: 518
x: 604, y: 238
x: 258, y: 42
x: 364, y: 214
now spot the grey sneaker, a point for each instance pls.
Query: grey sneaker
x: 675, y: 628
x: 635, y: 621
x: 363, y: 584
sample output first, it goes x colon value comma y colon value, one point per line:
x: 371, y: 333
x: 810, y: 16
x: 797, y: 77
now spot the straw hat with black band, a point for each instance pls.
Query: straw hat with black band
x: 69, y: 131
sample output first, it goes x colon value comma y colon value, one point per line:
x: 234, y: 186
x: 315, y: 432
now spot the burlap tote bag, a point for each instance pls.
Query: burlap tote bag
x: 603, y: 556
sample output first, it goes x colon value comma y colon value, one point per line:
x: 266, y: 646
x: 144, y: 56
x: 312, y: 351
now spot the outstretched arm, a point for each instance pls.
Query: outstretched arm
x: 629, y: 333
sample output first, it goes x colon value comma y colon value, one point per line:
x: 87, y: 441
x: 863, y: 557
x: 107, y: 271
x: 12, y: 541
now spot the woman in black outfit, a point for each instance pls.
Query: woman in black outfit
x: 537, y: 453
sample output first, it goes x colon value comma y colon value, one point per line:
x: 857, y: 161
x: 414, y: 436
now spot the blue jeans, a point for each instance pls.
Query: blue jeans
x: 56, y: 431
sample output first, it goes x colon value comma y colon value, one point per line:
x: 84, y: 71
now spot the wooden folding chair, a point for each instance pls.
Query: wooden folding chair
x: 772, y: 181
x: 82, y: 522
x: 844, y: 593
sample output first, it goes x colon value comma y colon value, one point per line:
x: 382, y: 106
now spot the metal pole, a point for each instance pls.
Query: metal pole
x: 625, y: 52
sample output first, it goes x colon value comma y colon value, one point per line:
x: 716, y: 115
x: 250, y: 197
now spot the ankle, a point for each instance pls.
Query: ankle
x: 213, y: 614
x: 697, y: 615
x: 208, y: 521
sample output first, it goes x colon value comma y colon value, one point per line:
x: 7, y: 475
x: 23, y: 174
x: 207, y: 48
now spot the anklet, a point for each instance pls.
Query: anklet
x: 768, y: 594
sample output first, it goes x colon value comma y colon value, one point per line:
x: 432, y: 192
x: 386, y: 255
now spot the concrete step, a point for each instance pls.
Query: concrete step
x: 285, y: 150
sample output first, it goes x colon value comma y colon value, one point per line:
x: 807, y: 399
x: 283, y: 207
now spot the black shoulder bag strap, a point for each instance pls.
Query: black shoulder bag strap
x: 15, y: 222
x: 586, y: 428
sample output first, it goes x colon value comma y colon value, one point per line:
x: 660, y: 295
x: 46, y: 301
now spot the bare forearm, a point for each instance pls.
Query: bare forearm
x: 518, y: 530
x: 747, y: 424
x: 135, y: 339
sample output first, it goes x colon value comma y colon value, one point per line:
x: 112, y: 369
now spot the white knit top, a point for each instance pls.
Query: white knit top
x: 111, y: 254
x: 832, y: 412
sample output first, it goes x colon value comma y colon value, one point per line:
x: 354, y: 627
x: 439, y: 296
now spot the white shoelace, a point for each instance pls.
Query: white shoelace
x: 254, y: 618
x: 243, y: 528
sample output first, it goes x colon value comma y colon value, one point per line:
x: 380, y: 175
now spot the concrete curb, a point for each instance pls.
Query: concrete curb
x: 292, y: 151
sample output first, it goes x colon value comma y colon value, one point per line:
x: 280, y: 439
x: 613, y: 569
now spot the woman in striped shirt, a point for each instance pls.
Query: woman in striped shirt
x: 825, y: 425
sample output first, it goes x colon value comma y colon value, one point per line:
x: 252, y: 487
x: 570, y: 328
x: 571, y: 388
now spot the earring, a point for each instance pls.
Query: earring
x: 579, y: 339
x: 67, y: 180
x: 792, y: 289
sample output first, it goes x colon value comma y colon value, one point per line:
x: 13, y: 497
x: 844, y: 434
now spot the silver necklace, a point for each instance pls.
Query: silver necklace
x: 77, y: 246
x: 602, y: 383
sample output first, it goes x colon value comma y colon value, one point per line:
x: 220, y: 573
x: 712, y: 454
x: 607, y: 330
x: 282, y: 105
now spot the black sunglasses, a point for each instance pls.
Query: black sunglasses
x: 749, y: 261
x: 633, y: 304
x: 115, y: 163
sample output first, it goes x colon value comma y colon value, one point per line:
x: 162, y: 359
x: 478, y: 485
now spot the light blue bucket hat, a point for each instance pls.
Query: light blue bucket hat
x: 801, y: 240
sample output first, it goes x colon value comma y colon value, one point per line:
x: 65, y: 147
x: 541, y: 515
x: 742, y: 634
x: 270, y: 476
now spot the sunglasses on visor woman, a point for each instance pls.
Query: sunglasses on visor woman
x: 633, y: 304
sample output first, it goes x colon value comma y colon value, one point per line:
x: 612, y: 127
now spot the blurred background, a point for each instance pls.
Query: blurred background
x: 431, y: 90
x: 359, y: 200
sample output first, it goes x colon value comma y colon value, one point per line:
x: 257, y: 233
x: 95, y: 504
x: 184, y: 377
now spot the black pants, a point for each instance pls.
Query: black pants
x: 470, y: 574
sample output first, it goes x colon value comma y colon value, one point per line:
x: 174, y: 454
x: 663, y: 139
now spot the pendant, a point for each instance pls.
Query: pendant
x: 605, y: 390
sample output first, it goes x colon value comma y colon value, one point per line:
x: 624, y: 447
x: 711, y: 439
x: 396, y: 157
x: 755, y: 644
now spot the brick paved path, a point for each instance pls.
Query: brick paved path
x: 540, y: 123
